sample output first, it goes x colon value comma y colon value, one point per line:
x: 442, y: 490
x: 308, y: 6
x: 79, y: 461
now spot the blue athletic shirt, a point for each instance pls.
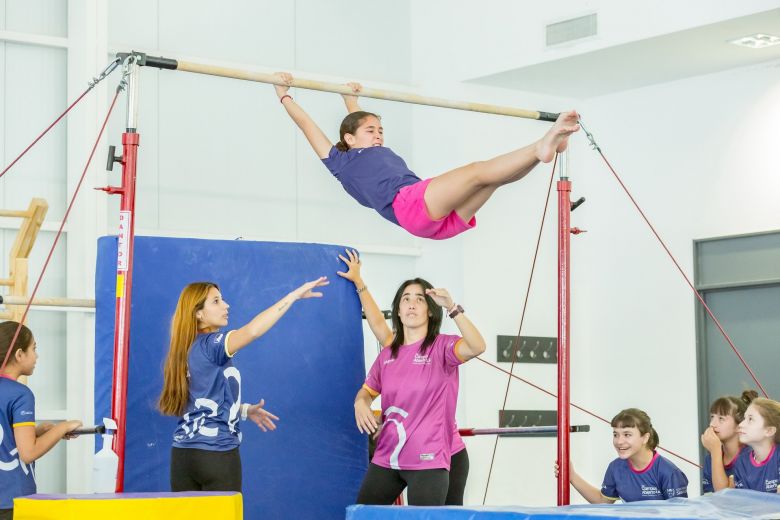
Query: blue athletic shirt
x: 706, y: 470
x: 372, y: 176
x: 660, y: 480
x: 17, y: 408
x: 758, y: 476
x: 210, y: 420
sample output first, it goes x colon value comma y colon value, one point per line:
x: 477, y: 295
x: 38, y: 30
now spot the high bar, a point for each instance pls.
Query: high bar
x: 324, y: 86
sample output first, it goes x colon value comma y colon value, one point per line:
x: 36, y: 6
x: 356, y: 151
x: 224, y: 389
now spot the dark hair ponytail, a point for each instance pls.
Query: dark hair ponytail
x: 349, y: 125
x: 748, y: 396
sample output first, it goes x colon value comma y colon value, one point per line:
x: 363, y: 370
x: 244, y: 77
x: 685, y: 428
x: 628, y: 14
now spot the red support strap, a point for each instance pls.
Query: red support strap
x: 687, y: 280
x: 62, y: 225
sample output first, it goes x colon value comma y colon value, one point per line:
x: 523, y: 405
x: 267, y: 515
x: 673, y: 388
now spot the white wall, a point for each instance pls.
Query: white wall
x: 466, y: 39
x: 37, y: 75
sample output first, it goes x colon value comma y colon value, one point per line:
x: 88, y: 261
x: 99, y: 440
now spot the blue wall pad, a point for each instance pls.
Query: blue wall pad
x: 726, y: 504
x: 308, y: 368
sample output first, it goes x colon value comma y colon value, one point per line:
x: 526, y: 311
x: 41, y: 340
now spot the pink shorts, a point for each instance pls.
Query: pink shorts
x: 412, y: 215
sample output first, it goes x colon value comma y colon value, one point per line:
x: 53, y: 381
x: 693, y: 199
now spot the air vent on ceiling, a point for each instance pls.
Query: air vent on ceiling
x: 570, y: 30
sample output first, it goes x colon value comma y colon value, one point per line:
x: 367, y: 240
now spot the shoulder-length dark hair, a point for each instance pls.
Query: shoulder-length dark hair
x: 636, y: 418
x: 435, y: 316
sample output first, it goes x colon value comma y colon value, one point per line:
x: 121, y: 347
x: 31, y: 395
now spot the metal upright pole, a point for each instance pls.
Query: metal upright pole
x: 124, y: 267
x: 564, y: 230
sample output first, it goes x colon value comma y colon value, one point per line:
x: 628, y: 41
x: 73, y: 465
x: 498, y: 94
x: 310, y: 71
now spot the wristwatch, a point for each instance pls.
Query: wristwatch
x: 457, y: 310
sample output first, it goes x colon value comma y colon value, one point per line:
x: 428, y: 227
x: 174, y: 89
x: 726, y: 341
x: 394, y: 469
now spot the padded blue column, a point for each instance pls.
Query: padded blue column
x: 308, y: 368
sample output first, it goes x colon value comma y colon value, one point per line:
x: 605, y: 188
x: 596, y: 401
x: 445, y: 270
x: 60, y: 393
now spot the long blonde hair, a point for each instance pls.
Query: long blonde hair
x: 184, y: 329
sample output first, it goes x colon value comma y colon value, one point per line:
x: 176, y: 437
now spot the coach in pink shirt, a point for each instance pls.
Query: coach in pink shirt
x: 417, y: 376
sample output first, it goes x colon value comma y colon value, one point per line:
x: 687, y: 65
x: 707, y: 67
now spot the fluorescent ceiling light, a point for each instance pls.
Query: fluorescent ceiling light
x: 757, y: 41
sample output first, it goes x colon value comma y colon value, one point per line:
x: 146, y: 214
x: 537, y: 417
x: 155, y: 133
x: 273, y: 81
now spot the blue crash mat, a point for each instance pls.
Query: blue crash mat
x: 726, y: 504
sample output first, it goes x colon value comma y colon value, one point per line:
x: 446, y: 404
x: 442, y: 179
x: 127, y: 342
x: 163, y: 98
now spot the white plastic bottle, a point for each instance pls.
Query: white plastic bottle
x: 106, y: 462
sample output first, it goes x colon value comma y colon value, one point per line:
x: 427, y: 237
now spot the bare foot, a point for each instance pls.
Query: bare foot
x: 557, y: 138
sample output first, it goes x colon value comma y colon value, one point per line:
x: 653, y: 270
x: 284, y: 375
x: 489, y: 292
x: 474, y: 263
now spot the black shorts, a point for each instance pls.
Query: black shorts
x: 204, y: 470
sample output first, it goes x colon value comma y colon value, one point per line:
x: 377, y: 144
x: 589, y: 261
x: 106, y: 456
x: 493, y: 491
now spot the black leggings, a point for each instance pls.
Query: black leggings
x: 424, y: 487
x: 427, y: 487
x: 459, y: 472
x: 6, y: 514
x: 204, y: 470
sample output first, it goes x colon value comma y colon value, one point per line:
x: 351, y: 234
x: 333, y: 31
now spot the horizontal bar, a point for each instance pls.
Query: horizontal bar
x: 48, y: 302
x: 519, y: 431
x: 19, y: 213
x: 14, y: 223
x: 90, y: 430
x: 386, y: 314
x: 388, y: 95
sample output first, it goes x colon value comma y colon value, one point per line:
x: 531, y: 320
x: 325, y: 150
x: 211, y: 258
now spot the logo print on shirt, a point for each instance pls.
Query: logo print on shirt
x: 650, y: 491
x: 421, y: 360
x: 25, y: 412
x: 218, y: 338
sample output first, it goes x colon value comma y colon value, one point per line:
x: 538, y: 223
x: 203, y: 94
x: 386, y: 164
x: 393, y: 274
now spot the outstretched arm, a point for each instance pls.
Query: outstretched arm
x: 374, y: 316
x: 473, y: 343
x: 316, y: 137
x: 261, y: 323
x: 32, y: 447
x: 351, y: 101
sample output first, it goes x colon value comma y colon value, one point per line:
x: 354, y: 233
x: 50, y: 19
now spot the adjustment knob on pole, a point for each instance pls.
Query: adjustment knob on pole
x: 112, y: 158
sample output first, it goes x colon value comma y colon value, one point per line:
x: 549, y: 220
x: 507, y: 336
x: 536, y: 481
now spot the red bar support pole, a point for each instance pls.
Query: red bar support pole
x: 564, y: 213
x: 124, y: 284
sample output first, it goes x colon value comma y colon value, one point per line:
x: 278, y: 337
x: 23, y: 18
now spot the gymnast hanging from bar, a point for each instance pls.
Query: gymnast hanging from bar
x: 437, y: 208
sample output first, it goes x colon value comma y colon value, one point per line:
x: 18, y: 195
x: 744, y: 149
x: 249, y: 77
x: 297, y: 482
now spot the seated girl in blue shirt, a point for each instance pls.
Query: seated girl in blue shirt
x: 638, y: 472
x: 439, y: 207
x: 758, y: 466
x: 721, y: 440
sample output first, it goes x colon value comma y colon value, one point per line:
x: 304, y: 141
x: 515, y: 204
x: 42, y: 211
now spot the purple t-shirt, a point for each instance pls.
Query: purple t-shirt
x: 372, y: 176
x: 210, y: 420
x: 706, y: 469
x: 660, y: 480
x: 17, y: 408
x: 417, y: 404
x: 758, y: 476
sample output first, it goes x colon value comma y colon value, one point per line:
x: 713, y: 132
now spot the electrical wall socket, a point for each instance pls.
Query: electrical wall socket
x: 531, y: 349
x: 526, y: 418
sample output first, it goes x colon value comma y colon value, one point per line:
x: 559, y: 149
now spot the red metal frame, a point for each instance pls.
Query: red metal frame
x: 124, y: 278
x: 564, y: 232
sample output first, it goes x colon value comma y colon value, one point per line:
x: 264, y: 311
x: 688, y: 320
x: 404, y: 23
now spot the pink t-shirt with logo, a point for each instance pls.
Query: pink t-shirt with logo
x: 419, y: 396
